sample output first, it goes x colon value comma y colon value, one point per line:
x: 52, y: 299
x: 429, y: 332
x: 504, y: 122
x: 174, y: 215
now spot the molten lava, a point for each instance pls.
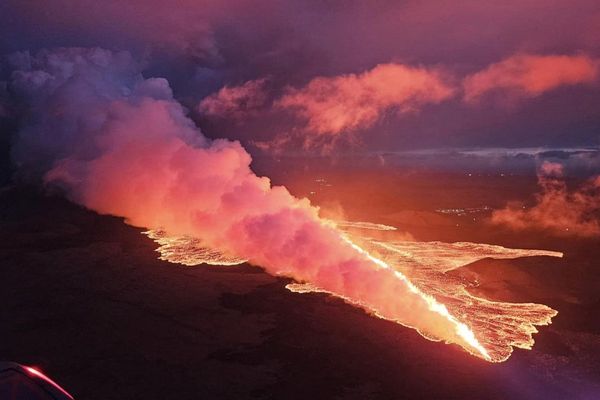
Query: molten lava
x: 189, y: 251
x: 487, y: 329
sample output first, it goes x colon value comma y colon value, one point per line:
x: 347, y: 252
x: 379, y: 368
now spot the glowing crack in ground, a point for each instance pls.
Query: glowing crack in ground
x: 491, y: 329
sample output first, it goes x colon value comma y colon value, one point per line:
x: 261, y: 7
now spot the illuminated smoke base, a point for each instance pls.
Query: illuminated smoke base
x: 498, y: 326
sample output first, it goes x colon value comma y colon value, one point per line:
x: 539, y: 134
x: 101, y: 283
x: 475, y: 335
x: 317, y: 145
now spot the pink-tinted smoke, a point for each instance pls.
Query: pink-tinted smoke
x: 235, y: 101
x: 530, y: 75
x: 120, y: 144
x: 557, y: 209
x: 334, y: 105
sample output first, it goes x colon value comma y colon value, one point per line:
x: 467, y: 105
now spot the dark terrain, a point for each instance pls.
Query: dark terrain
x: 85, y: 299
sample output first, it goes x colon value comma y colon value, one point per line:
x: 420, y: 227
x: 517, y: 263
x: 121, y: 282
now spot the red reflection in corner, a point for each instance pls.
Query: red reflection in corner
x: 39, y: 374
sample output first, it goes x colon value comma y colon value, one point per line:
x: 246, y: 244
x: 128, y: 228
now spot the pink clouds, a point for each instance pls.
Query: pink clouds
x: 328, y: 111
x: 557, y: 209
x: 334, y: 105
x: 528, y: 75
x: 199, y: 44
x: 235, y: 101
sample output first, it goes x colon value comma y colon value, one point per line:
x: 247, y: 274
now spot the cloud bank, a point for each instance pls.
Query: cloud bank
x: 202, y: 46
x: 340, y: 109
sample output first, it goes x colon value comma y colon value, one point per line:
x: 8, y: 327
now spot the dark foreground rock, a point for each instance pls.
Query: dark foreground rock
x: 84, y: 298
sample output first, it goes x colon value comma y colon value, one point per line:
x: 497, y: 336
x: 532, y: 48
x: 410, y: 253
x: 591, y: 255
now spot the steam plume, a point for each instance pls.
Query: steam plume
x: 557, y: 209
x: 120, y: 144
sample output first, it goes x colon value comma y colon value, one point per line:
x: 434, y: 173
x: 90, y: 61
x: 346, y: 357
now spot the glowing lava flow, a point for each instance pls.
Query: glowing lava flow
x: 363, y: 225
x: 500, y: 326
x: 189, y: 251
x: 461, y: 329
x: 487, y: 329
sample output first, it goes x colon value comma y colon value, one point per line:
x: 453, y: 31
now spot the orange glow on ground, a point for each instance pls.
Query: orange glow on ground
x: 484, y: 328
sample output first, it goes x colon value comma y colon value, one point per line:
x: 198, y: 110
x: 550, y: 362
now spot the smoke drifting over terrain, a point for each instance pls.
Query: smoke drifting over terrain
x: 120, y: 144
x: 557, y: 208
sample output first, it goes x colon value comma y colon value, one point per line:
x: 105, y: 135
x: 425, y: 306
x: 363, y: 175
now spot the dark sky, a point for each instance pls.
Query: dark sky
x: 537, y: 63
